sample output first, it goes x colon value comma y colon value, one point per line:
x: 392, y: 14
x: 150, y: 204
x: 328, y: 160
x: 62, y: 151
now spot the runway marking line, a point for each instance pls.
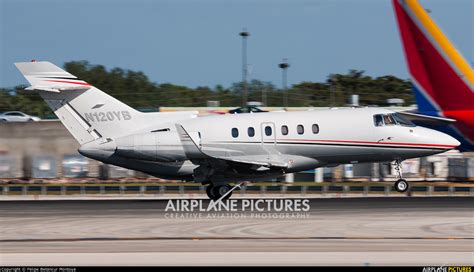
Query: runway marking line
x: 227, y: 238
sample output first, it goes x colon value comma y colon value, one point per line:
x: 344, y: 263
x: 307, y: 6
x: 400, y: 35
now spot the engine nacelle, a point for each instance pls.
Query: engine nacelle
x: 163, y: 146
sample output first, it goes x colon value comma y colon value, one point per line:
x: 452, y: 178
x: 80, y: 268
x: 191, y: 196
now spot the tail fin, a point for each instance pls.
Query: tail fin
x: 87, y: 112
x: 442, y: 79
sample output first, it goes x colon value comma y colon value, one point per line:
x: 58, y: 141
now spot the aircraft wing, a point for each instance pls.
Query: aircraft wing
x: 195, y: 153
x: 426, y: 119
x: 254, y: 161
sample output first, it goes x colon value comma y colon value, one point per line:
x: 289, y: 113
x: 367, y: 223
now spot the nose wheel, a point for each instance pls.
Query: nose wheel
x: 401, y: 185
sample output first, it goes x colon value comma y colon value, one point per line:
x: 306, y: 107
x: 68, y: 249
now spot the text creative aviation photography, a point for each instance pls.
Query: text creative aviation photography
x: 105, y: 167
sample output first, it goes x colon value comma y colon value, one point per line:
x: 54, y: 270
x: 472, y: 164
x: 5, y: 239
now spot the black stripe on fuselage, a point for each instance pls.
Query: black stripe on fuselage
x: 338, y: 144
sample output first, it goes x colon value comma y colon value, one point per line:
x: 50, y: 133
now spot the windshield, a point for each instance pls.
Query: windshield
x: 402, y: 121
x: 391, y: 120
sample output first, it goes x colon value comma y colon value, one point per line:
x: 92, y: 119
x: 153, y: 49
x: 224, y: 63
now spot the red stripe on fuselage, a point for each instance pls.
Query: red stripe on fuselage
x: 374, y: 143
x: 70, y: 82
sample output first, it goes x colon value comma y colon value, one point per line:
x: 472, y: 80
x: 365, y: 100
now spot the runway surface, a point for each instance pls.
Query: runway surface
x: 355, y: 231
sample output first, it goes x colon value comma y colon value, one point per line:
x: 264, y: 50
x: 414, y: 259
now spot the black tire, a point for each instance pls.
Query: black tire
x: 209, y: 191
x: 219, y: 191
x: 30, y: 120
x: 401, y: 185
x: 2, y: 120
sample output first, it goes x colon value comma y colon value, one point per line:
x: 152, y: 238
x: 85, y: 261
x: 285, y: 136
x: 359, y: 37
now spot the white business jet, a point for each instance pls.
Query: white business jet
x: 219, y: 149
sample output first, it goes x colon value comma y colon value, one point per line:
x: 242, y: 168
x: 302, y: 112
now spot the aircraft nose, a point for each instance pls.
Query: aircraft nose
x: 446, y: 140
x: 451, y: 141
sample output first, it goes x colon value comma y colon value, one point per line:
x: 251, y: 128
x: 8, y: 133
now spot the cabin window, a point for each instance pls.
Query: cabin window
x: 300, y: 129
x: 315, y: 128
x: 235, y: 132
x: 268, y: 131
x: 251, y: 131
x: 284, y: 130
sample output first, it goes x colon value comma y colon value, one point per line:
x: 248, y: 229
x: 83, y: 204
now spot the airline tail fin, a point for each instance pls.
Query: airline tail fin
x: 442, y: 79
x: 87, y: 112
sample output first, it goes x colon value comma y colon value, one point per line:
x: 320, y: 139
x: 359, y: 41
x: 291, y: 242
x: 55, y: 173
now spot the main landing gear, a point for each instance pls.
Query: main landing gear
x: 216, y: 192
x: 221, y: 192
x: 401, y: 185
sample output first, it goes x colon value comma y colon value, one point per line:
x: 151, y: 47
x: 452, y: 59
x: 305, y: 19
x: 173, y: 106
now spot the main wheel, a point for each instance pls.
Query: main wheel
x: 401, y: 185
x: 209, y: 191
x: 220, y: 190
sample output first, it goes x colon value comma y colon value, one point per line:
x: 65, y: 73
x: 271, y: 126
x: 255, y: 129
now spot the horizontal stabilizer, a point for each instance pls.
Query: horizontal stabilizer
x: 48, y: 75
x: 57, y: 89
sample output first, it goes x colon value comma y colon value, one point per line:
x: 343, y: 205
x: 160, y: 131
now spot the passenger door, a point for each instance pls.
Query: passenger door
x: 268, y: 138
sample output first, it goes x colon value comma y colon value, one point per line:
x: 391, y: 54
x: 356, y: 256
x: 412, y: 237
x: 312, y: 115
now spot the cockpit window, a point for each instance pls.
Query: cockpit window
x: 391, y: 120
x: 388, y: 120
x: 402, y: 121
x: 378, y: 120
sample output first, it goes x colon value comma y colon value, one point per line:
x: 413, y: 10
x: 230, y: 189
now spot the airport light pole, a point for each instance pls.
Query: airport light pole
x: 244, y: 34
x: 284, y: 65
x: 332, y: 90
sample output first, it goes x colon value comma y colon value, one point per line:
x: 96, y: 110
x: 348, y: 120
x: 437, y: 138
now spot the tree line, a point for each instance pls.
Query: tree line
x: 135, y: 89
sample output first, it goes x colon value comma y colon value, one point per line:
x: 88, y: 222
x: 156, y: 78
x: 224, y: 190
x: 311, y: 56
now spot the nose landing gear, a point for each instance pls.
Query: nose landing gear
x: 401, y: 185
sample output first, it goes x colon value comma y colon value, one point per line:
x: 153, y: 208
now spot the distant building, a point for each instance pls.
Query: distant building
x: 395, y: 102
